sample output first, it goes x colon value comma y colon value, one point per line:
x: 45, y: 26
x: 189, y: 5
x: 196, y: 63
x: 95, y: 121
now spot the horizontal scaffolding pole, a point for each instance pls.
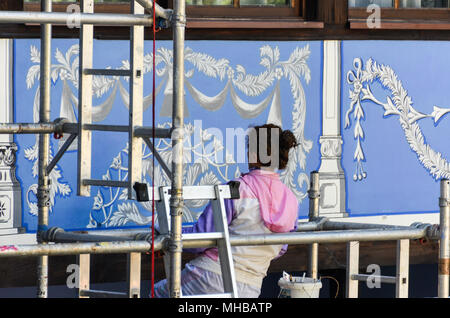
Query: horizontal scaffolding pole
x: 105, y: 183
x: 62, y: 125
x: 28, y: 128
x: 148, y: 132
x: 314, y: 237
x: 106, y: 19
x: 336, y: 225
x: 320, y: 224
x: 235, y: 240
x: 56, y: 234
x: 80, y: 248
x: 380, y: 278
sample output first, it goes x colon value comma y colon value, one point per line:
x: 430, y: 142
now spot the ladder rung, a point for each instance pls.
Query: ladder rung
x: 118, y: 128
x: 206, y: 192
x: 203, y: 236
x: 382, y: 279
x: 106, y: 72
x: 105, y: 183
x: 225, y: 295
x: 102, y: 294
x: 72, y: 128
x: 148, y: 132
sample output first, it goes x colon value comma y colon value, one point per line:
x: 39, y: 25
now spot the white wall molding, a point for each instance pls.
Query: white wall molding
x: 331, y: 174
x: 10, y: 191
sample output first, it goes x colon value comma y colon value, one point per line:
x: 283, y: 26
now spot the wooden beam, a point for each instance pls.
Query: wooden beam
x: 332, y: 11
x: 404, y: 14
x: 211, y: 23
x: 11, y: 5
x: 386, y: 24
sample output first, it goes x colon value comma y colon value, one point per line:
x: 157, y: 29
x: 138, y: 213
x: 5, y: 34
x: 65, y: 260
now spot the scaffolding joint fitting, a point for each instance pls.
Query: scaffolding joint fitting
x: 162, y: 23
x: 59, y: 127
x: 176, y: 203
x: 321, y: 220
x: 432, y: 231
x: 178, y: 20
x: 175, y: 294
x: 444, y: 202
x: 49, y: 235
x: 43, y: 195
x: 313, y: 194
x: 174, y: 246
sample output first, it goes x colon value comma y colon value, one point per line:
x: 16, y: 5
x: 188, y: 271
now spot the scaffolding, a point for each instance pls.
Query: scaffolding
x: 55, y: 241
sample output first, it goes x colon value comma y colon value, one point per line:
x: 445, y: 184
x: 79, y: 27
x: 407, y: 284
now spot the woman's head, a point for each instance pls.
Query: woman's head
x: 268, y: 146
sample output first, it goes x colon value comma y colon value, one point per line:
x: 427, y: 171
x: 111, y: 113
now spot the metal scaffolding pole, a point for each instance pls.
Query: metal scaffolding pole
x: 27, y: 128
x: 56, y: 234
x: 176, y: 199
x: 80, y: 248
x: 43, y: 192
x: 315, y: 237
x: 162, y: 241
x: 444, y: 243
x: 313, y: 252
x: 62, y: 18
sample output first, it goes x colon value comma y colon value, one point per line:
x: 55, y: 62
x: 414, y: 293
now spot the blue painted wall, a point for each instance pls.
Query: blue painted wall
x: 398, y: 179
x: 261, y: 65
x: 399, y: 164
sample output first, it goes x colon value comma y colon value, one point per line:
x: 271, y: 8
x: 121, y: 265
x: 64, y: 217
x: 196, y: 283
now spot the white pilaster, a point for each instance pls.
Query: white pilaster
x: 10, y: 192
x: 331, y: 174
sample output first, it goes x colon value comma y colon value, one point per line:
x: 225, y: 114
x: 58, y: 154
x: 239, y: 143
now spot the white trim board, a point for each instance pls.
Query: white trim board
x: 390, y: 219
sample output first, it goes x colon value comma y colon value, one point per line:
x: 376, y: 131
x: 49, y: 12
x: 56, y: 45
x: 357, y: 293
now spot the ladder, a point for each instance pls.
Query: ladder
x: 217, y: 194
x: 136, y: 132
x: 133, y: 279
x: 401, y: 280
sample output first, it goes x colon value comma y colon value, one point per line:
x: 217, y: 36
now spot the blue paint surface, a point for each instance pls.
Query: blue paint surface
x: 72, y: 212
x: 396, y: 180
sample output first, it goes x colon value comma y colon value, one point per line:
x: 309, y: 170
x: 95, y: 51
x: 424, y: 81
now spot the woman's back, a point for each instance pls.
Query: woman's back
x: 265, y: 206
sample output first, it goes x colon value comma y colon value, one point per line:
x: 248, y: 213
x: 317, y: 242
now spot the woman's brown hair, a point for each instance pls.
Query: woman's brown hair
x: 275, y: 141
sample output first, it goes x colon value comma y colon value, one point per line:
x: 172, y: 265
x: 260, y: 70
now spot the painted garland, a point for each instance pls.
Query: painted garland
x: 398, y: 103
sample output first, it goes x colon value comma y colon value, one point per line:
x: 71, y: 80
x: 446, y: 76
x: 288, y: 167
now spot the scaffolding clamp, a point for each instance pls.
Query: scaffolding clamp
x: 444, y: 202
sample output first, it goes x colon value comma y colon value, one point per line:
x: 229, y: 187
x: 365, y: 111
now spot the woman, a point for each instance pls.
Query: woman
x: 265, y: 206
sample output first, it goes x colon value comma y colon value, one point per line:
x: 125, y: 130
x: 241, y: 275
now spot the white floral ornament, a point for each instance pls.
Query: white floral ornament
x: 400, y: 104
x: 110, y: 205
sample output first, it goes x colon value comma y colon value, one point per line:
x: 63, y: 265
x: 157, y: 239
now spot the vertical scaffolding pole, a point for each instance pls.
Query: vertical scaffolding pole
x: 444, y: 243
x: 313, y: 253
x: 43, y: 192
x: 176, y: 198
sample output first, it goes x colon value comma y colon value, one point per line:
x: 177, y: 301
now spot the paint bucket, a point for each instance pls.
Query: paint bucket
x: 299, y: 287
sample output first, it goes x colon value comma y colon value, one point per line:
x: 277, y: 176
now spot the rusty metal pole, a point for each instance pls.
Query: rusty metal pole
x: 313, y: 253
x: 444, y: 243
x: 176, y: 198
x: 43, y: 192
